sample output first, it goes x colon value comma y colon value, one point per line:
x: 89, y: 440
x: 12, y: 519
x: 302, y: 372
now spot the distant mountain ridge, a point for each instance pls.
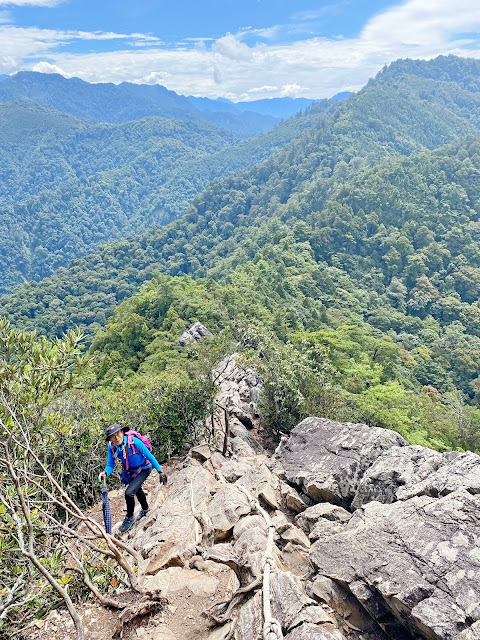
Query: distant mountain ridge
x: 107, y: 102
x: 275, y: 107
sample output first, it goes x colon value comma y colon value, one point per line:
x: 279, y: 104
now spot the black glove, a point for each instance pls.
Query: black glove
x: 162, y: 478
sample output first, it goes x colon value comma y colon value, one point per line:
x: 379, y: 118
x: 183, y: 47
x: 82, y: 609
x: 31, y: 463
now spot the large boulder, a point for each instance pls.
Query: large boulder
x: 225, y: 509
x: 170, y: 535
x: 328, y: 459
x: 413, y: 565
x: 404, y: 472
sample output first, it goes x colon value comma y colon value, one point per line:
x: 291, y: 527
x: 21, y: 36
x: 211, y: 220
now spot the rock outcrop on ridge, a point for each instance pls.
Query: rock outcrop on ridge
x: 361, y: 536
x: 408, y: 555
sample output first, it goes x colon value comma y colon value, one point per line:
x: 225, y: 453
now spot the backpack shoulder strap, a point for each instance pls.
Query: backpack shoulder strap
x: 130, y: 442
x: 114, y: 452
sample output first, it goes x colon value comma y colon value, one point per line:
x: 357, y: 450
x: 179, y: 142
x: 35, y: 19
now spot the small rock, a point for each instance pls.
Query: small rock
x: 296, y: 536
x: 280, y: 522
x: 292, y: 498
x: 201, y: 452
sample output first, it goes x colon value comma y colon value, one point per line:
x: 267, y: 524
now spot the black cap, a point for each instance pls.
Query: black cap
x: 113, y: 428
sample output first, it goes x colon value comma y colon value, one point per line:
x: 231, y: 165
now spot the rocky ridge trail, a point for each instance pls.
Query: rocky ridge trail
x: 345, y: 532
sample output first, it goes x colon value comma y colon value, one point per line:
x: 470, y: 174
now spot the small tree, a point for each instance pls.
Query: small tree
x: 42, y: 523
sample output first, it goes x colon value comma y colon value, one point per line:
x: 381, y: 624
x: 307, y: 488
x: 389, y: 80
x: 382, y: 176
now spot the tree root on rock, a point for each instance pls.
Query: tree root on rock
x: 145, y: 606
x: 220, y: 613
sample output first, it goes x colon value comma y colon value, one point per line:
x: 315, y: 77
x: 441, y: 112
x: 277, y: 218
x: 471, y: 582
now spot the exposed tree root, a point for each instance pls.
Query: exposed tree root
x: 143, y: 607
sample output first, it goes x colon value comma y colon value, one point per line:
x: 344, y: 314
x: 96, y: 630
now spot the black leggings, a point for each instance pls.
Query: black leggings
x: 135, y: 489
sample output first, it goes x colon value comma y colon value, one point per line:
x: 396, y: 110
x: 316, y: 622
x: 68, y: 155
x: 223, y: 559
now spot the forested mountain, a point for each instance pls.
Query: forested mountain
x: 107, y: 102
x: 360, y: 238
x: 382, y: 285
x: 380, y: 122
x: 67, y: 185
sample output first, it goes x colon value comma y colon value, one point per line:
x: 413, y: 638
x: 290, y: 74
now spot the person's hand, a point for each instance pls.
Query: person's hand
x: 162, y: 478
x: 102, y: 476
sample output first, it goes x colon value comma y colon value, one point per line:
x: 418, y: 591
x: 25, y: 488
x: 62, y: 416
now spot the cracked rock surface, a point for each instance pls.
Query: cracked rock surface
x: 368, y: 538
x: 405, y: 564
x: 328, y: 459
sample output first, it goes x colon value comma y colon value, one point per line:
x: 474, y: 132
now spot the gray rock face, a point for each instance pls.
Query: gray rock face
x: 225, y: 509
x: 195, y: 332
x: 309, y: 631
x: 354, y: 615
x: 413, y: 565
x: 404, y: 472
x: 168, y: 537
x: 328, y: 459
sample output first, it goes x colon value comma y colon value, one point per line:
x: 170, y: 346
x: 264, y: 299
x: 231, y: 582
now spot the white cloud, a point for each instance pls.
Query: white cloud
x: 31, y: 3
x: 199, y: 39
x: 267, y: 88
x: 230, y: 47
x: 5, y: 17
x: 232, y: 68
x: 268, y: 33
x: 292, y: 91
x: 314, y: 14
x: 155, y: 77
x: 46, y: 67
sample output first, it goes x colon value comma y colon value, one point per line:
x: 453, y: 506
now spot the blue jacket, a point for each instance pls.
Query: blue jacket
x: 144, y: 458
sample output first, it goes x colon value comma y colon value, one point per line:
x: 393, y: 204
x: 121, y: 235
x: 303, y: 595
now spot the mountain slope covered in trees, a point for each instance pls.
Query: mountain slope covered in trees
x: 378, y: 124
x: 364, y: 229
x: 67, y: 185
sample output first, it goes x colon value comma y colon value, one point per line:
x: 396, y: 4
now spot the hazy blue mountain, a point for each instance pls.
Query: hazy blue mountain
x: 274, y: 107
x: 107, y: 102
x: 218, y: 104
x: 104, y: 102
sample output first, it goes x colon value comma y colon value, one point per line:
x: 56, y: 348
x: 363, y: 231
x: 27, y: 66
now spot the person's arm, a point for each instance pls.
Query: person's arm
x: 110, y: 461
x: 141, y: 448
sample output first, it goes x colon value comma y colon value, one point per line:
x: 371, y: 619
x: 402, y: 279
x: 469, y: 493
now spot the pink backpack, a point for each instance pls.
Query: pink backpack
x: 134, y: 434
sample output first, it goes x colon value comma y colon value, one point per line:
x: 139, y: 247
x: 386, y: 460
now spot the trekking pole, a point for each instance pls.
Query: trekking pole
x: 107, y: 516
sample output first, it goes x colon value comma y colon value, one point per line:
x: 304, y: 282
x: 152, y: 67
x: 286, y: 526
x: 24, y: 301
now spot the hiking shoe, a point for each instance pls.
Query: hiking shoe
x: 142, y: 514
x: 126, y: 524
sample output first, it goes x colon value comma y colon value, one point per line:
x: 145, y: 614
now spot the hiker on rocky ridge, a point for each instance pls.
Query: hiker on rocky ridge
x: 135, y: 453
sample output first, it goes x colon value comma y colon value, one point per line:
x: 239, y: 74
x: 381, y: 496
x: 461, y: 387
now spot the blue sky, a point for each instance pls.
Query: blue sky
x: 242, y: 50
x: 175, y: 22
